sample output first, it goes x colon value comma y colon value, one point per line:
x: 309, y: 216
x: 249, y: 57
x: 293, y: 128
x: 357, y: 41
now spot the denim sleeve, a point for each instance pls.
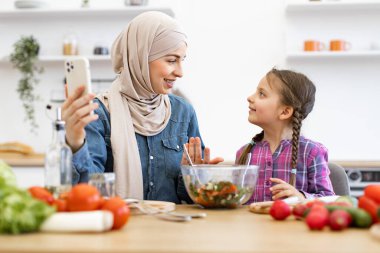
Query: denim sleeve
x: 92, y: 156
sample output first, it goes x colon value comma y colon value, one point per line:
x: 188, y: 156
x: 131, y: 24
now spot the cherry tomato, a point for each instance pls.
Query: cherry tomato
x: 60, y: 205
x: 83, y: 197
x: 42, y: 194
x: 119, y: 209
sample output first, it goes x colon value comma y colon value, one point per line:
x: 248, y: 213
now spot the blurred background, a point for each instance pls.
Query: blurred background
x: 232, y: 44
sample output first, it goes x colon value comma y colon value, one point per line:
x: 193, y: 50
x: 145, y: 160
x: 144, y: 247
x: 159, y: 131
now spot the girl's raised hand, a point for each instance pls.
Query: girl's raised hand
x: 284, y: 190
x: 194, y: 148
x: 76, y: 112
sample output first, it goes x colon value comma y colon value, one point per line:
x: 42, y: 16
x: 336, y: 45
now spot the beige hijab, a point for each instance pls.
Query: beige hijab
x: 134, y: 106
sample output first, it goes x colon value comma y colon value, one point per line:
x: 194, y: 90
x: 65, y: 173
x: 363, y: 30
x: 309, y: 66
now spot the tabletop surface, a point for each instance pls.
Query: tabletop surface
x: 236, y: 230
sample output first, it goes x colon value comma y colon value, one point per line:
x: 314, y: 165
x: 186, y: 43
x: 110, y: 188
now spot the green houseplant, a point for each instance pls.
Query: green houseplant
x: 24, y: 59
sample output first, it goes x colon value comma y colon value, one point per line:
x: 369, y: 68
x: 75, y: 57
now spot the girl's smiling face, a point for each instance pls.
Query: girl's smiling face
x: 265, y: 105
x: 165, y: 70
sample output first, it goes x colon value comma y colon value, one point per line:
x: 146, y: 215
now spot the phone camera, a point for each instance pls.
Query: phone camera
x: 68, y: 69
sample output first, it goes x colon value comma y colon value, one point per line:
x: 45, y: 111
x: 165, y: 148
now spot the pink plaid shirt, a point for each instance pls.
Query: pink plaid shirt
x: 312, y: 170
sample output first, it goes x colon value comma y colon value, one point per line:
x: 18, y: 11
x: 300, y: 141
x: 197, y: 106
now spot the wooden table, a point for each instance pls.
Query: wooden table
x: 221, y: 231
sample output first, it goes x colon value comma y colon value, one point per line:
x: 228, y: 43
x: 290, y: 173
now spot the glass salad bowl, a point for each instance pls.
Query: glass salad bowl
x: 220, y: 186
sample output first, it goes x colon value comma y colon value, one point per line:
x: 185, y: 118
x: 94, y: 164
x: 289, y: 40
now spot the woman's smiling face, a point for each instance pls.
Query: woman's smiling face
x: 165, y: 70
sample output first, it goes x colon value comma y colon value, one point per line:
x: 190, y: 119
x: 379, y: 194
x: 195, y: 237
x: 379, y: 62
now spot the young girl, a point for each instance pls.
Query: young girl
x: 290, y: 164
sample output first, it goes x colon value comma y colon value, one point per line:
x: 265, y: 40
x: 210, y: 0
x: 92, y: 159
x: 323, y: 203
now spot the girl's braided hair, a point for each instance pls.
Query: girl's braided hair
x: 297, y: 91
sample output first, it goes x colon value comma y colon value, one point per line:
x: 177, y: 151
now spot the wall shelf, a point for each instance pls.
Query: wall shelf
x: 84, y: 12
x: 293, y: 6
x: 57, y: 58
x: 334, y: 55
x: 61, y: 58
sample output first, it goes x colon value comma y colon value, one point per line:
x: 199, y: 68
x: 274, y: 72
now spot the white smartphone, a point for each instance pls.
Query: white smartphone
x: 77, y: 71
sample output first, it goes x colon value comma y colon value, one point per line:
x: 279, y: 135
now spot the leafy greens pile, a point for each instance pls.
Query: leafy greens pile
x: 19, y: 211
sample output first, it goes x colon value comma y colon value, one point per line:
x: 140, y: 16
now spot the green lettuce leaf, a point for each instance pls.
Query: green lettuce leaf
x: 19, y: 211
x: 6, y: 174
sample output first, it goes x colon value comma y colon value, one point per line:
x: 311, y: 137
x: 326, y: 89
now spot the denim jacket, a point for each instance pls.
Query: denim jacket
x: 160, y: 155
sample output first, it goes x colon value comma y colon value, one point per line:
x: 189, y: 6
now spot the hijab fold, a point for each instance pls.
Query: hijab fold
x: 133, y: 105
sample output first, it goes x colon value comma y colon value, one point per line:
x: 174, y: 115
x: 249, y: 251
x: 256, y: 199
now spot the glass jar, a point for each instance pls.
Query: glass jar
x: 70, y: 45
x: 104, y: 182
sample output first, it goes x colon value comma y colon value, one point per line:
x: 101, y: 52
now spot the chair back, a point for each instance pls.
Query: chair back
x: 339, y: 179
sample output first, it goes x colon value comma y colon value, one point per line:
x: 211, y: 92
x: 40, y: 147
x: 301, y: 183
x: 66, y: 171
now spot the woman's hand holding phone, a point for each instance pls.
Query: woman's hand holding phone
x: 76, y: 112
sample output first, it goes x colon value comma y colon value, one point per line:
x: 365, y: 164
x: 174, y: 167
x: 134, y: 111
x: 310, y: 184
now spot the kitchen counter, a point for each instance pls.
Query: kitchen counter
x: 21, y: 160
x: 221, y: 231
x: 358, y: 164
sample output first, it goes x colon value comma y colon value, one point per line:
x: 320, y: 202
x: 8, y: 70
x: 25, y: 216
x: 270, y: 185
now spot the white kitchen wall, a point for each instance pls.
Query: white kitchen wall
x: 232, y: 44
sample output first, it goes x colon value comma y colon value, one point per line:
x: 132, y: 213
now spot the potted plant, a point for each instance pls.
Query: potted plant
x: 24, y: 59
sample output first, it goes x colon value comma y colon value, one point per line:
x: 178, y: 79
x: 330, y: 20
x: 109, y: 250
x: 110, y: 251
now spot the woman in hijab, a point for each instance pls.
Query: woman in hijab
x: 138, y: 128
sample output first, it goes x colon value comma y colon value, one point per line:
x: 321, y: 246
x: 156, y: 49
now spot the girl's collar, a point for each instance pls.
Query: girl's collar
x: 282, y: 142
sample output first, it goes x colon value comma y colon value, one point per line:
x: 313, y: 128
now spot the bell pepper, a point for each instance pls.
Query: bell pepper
x: 373, y: 192
x: 370, y: 206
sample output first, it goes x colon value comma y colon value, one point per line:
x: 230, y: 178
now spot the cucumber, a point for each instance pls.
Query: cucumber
x: 360, y: 217
x: 348, y: 199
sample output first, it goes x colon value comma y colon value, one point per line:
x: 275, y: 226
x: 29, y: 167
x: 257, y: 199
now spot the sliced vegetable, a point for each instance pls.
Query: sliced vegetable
x: 220, y: 194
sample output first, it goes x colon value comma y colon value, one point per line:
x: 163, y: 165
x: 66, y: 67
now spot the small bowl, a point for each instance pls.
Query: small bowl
x: 220, y: 186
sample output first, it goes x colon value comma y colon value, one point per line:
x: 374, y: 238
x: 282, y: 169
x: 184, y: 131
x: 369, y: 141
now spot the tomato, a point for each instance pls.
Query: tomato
x: 42, y: 194
x: 63, y: 195
x: 102, y: 202
x: 60, y: 205
x: 119, y: 209
x: 229, y: 189
x: 315, y: 203
x: 83, y: 197
x: 373, y: 192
